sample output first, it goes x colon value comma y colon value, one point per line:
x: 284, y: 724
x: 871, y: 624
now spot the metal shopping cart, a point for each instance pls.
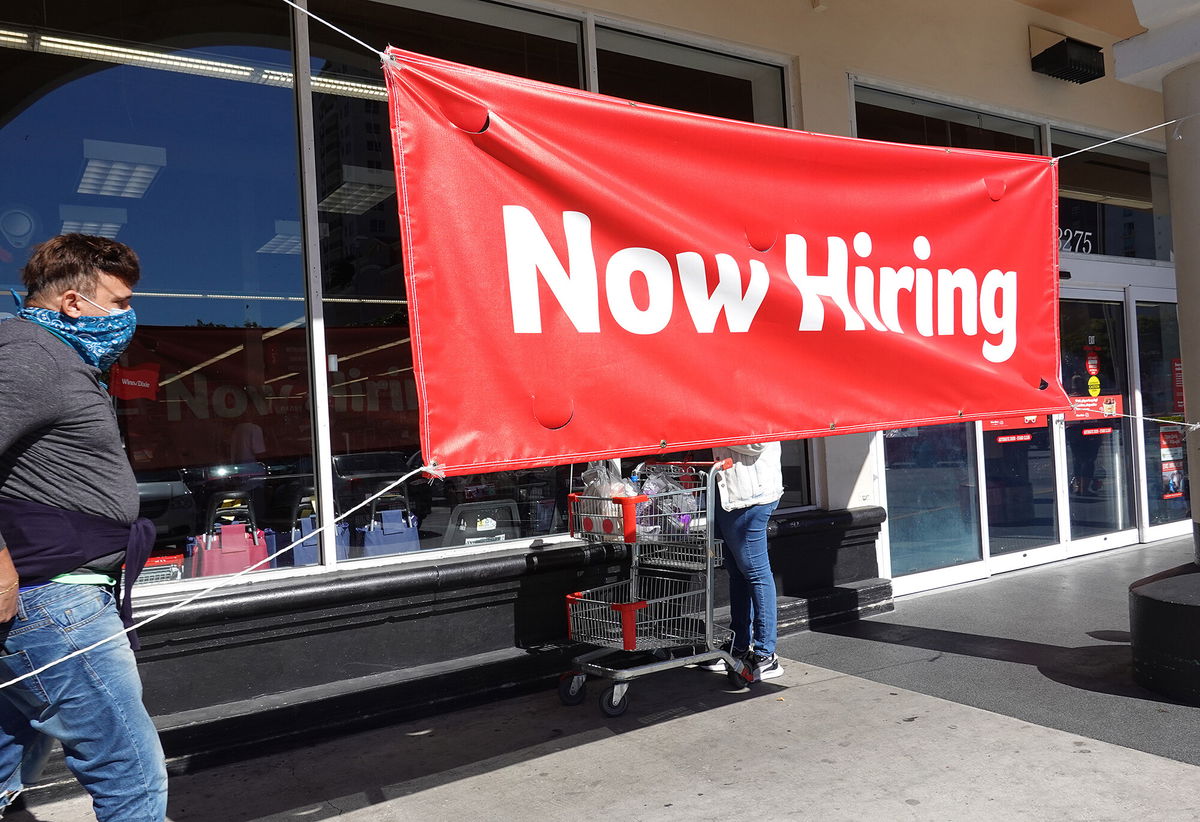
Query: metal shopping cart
x: 661, y: 617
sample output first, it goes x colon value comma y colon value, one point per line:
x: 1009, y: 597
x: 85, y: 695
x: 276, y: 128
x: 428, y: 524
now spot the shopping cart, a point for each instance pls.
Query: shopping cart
x: 661, y: 617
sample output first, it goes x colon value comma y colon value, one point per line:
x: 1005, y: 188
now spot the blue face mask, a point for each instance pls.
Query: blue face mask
x: 98, y: 340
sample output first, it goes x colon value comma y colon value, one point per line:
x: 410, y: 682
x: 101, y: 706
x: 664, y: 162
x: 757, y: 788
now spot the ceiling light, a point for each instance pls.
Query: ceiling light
x: 120, y: 169
x: 286, y: 239
x: 348, y: 88
x: 13, y: 38
x: 141, y: 57
x: 134, y: 54
x: 102, y: 222
x: 361, y: 190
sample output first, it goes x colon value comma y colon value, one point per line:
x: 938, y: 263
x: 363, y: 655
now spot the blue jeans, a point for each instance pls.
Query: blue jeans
x: 92, y: 704
x: 752, y: 610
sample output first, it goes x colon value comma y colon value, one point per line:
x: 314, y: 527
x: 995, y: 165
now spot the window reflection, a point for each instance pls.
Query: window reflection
x: 373, y: 402
x: 666, y: 74
x: 188, y: 156
x: 881, y: 115
x: 1169, y: 495
x: 1113, y: 200
x: 932, y: 498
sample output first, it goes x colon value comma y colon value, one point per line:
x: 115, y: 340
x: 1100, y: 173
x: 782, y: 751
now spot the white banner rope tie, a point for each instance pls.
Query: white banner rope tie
x: 224, y: 581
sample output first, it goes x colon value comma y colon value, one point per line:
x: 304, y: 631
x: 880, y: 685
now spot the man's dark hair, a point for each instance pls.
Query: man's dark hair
x: 73, y: 261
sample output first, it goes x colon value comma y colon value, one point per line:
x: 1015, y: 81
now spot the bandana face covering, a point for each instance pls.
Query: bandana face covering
x: 98, y: 340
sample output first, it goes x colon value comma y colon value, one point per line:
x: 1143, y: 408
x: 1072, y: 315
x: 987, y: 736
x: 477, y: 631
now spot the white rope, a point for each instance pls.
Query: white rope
x: 1115, y: 139
x: 223, y: 582
x: 322, y: 20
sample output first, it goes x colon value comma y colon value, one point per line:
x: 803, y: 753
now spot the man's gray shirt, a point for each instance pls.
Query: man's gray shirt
x: 59, y: 441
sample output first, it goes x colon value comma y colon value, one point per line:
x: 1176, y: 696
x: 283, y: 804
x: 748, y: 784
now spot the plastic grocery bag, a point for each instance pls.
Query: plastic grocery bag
x: 671, y: 510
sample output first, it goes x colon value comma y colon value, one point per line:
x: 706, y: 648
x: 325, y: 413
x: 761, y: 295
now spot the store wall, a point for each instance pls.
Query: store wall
x: 971, y: 50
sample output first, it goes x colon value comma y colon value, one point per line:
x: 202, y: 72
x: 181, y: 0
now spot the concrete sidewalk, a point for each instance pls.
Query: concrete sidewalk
x: 817, y: 743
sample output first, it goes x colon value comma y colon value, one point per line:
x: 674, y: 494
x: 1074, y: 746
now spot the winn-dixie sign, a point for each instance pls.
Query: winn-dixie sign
x: 590, y: 277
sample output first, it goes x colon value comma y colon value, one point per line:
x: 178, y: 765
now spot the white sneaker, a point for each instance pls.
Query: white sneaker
x: 765, y: 667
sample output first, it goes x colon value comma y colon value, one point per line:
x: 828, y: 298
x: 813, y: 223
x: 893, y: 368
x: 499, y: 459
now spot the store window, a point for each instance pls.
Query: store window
x: 373, y: 404
x: 108, y: 125
x: 1095, y: 375
x: 655, y: 71
x: 1112, y: 200
x: 897, y: 118
x: 932, y: 498
x: 1169, y: 496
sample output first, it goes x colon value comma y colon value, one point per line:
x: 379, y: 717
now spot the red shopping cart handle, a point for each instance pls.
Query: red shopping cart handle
x: 628, y: 612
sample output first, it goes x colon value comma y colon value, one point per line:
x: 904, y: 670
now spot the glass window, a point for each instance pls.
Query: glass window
x: 1112, y: 200
x: 1095, y: 375
x: 932, y: 498
x: 188, y: 155
x: 797, y: 484
x: 1018, y: 464
x: 881, y: 115
x: 1162, y: 405
x: 373, y: 403
x: 690, y: 79
x: 492, y: 36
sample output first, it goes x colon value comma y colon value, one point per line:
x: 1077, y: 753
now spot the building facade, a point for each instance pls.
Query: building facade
x: 243, y: 150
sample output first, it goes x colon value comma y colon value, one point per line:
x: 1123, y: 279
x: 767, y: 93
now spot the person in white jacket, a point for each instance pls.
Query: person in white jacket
x: 749, y: 490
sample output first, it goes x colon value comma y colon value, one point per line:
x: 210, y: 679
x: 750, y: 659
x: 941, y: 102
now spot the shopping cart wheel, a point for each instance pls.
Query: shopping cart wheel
x: 610, y: 705
x: 572, y: 687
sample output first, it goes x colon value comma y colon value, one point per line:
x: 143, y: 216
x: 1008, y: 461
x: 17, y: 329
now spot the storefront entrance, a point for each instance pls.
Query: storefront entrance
x: 1098, y: 459
x: 970, y: 500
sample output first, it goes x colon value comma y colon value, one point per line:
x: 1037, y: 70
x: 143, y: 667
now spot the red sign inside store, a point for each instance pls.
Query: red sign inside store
x: 1177, y: 381
x: 1090, y: 408
x: 1006, y: 423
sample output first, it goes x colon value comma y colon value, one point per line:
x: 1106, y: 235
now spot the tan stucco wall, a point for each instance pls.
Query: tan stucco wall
x: 971, y: 51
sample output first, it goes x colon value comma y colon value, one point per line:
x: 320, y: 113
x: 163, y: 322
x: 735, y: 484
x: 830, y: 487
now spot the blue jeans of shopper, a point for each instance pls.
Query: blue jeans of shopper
x: 752, y: 609
x: 92, y: 704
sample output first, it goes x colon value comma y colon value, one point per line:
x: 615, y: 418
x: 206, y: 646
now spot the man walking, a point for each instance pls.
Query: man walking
x: 68, y: 523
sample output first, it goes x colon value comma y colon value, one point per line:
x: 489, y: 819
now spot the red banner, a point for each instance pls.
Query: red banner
x: 590, y: 277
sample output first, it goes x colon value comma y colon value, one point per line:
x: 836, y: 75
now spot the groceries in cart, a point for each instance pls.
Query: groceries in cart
x: 671, y: 512
x: 605, y: 511
x: 667, y: 507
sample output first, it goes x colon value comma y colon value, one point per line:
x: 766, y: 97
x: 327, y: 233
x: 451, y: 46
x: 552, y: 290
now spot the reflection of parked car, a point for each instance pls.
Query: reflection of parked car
x: 167, y: 501
x: 358, y: 476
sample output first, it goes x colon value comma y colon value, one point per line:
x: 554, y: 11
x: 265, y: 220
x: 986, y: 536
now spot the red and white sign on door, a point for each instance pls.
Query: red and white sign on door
x: 591, y: 277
